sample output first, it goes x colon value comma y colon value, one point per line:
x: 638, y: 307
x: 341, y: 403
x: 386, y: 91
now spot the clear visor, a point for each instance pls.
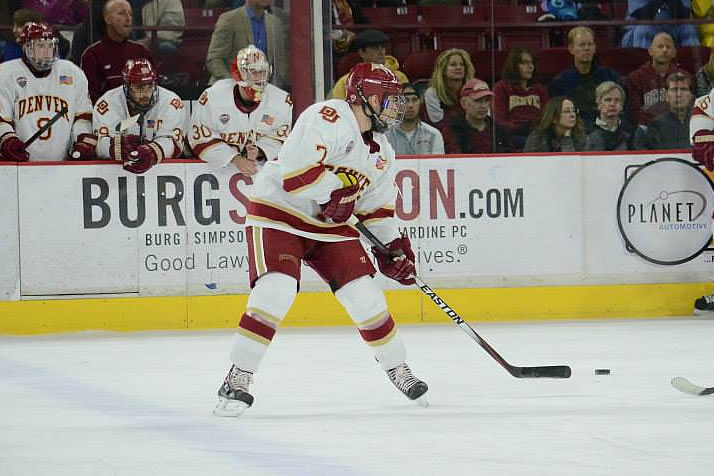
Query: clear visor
x: 393, y: 107
x: 41, y: 54
x: 142, y: 94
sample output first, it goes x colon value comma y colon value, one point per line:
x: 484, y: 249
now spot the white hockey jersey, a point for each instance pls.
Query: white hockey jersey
x: 326, y: 140
x: 28, y: 102
x: 702, y: 115
x: 164, y: 124
x: 220, y: 129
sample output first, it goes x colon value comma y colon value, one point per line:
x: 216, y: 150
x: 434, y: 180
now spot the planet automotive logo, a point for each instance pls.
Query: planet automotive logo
x: 664, y: 211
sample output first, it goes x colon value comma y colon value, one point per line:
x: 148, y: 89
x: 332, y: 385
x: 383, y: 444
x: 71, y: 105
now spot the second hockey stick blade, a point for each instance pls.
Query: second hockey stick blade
x: 541, y: 371
x: 684, y: 385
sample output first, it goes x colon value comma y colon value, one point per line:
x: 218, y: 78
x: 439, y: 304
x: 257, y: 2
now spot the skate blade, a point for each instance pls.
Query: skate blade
x: 229, y: 408
x: 422, y: 401
x: 703, y: 314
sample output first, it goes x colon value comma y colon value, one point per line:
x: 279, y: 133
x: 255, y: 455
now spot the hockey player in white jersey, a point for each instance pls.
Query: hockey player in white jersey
x: 335, y: 163
x: 242, y: 120
x: 33, y: 90
x: 701, y: 132
x: 159, y: 130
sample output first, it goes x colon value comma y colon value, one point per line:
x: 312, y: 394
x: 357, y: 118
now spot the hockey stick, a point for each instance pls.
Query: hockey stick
x: 125, y: 124
x: 543, y: 371
x: 47, y: 125
x: 684, y: 385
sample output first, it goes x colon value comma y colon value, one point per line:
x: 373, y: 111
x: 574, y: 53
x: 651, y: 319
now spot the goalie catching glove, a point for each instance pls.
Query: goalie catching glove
x: 398, y: 264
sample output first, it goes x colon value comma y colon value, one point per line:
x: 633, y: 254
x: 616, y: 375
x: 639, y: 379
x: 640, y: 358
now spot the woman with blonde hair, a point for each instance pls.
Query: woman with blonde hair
x: 560, y: 129
x: 442, y: 98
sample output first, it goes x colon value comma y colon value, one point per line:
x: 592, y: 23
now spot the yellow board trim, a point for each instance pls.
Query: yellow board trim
x: 322, y: 309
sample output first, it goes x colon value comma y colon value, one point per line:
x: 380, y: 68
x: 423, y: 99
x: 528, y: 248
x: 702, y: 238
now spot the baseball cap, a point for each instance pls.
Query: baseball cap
x: 368, y: 38
x: 476, y: 89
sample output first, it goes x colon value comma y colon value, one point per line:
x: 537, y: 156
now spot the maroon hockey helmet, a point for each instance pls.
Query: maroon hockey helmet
x: 39, y: 45
x: 140, y: 84
x: 373, y: 79
x: 251, y: 70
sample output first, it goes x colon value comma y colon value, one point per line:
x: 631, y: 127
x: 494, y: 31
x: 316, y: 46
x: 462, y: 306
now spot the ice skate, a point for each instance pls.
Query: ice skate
x: 233, y: 396
x: 413, y: 388
x: 704, y: 306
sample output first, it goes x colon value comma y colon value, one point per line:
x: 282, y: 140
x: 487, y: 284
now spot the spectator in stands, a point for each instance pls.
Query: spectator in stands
x: 412, y: 136
x: 703, y: 9
x: 443, y: 96
x: 580, y: 80
x: 19, y: 18
x: 163, y: 13
x: 104, y: 61
x: 610, y: 132
x: 641, y: 36
x: 646, y: 88
x: 560, y: 129
x: 372, y: 48
x: 88, y: 32
x: 65, y: 12
x: 475, y: 132
x: 341, y: 38
x: 518, y: 102
x: 251, y: 24
x: 705, y: 78
x: 670, y: 130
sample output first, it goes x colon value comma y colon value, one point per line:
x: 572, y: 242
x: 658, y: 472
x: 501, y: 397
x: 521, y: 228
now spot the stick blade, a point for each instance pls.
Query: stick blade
x: 544, y: 371
x: 685, y: 386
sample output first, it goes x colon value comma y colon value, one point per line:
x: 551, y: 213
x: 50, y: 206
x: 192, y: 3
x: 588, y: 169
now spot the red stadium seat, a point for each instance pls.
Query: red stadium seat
x: 489, y: 64
x: 692, y: 58
x: 552, y: 61
x: 509, y: 32
x: 623, y: 60
x: 403, y: 42
x: 201, y: 18
x: 420, y: 65
x: 456, y: 26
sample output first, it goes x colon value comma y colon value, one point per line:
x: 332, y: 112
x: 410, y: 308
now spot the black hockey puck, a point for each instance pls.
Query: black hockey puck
x: 602, y: 371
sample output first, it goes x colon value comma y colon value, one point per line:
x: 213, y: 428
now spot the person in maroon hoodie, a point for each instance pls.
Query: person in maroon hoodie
x: 104, y: 61
x: 519, y: 103
x: 646, y: 86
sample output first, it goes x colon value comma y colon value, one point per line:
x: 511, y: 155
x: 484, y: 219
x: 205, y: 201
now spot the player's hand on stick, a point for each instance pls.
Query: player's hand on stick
x: 84, y: 148
x: 703, y: 148
x: 121, y: 146
x: 13, y: 149
x: 399, y: 263
x: 341, y: 204
x: 246, y: 165
x: 141, y: 159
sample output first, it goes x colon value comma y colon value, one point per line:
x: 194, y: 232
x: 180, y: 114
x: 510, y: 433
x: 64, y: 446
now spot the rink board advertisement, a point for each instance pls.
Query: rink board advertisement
x: 9, y: 235
x: 474, y: 222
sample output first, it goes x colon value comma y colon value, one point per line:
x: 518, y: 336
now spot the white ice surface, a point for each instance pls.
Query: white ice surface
x: 140, y: 404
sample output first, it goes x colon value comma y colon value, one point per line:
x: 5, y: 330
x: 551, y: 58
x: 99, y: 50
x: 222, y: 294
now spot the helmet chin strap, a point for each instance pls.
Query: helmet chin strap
x: 378, y: 125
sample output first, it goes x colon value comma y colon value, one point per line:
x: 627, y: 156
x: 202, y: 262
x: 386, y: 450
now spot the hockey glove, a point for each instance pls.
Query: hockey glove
x: 84, y: 148
x: 703, y: 148
x: 399, y: 263
x: 341, y: 204
x: 141, y: 159
x: 13, y: 149
x: 121, y: 146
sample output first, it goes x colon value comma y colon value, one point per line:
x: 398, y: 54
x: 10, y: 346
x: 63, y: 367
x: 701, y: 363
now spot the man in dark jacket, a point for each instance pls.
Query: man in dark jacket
x: 671, y: 129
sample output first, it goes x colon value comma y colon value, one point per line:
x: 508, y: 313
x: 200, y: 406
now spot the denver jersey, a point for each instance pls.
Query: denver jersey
x: 164, y: 123
x: 326, y: 140
x: 702, y: 115
x: 220, y: 129
x: 28, y: 102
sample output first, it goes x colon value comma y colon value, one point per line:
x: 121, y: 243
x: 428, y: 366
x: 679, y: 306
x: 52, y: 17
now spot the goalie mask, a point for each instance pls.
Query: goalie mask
x: 372, y: 79
x: 140, y: 84
x: 251, y: 70
x: 39, y: 45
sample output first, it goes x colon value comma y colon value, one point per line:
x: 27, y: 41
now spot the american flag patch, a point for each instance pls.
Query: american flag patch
x: 268, y: 119
x: 381, y: 163
x: 64, y: 79
x: 150, y: 123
